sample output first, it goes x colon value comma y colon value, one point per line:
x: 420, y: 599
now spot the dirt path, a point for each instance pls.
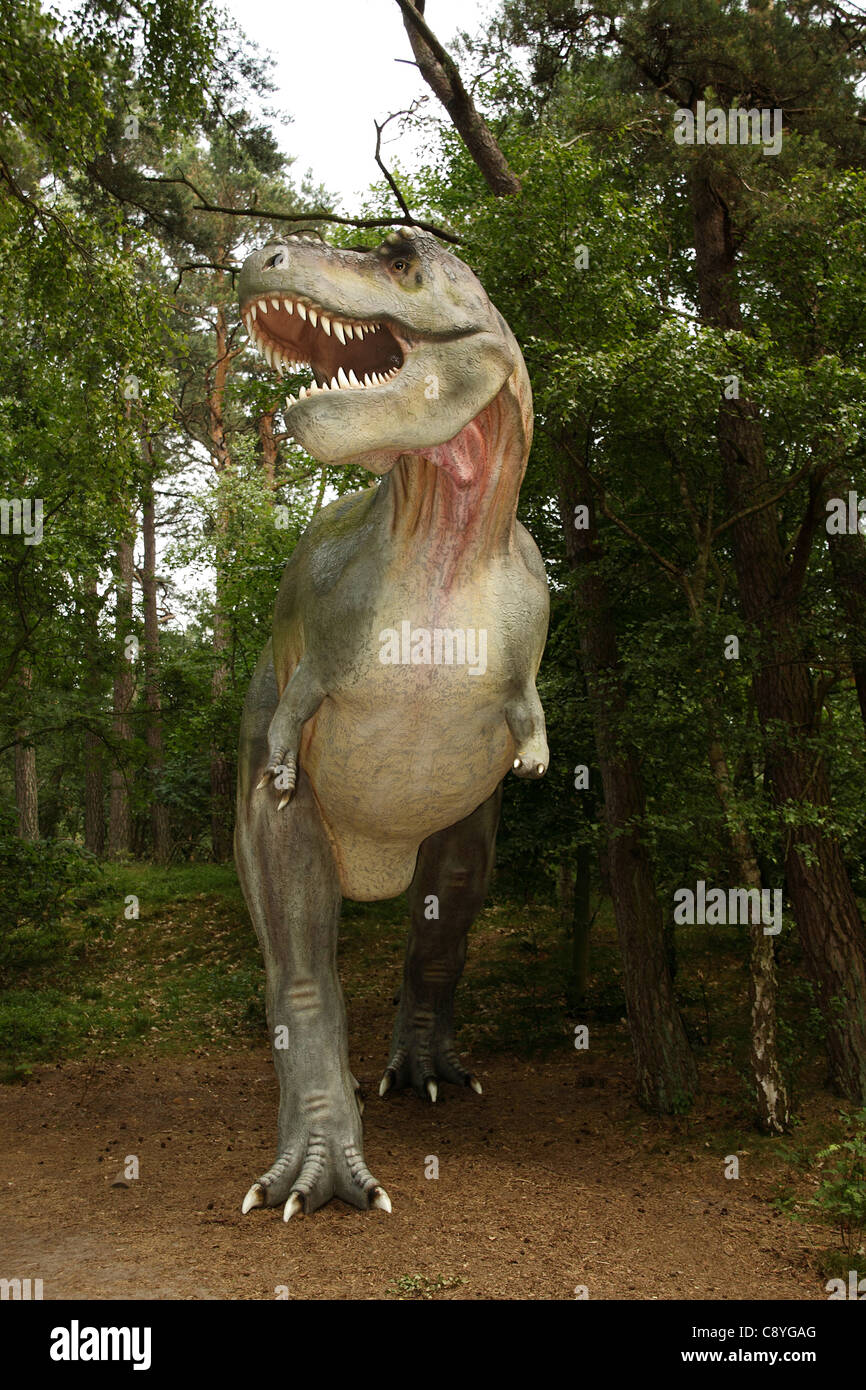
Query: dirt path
x: 543, y: 1185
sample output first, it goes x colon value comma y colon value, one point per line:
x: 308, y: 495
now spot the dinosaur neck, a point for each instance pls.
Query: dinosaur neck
x: 454, y: 505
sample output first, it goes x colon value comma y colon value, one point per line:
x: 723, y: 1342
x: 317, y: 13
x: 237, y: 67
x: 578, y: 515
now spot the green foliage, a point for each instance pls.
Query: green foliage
x: 40, y: 882
x: 841, y: 1196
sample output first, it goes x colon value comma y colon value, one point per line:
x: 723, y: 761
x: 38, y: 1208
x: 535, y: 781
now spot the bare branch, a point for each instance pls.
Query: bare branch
x: 271, y: 215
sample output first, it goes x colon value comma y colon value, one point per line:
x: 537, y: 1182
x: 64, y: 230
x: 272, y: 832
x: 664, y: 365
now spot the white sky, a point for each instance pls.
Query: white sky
x: 337, y: 72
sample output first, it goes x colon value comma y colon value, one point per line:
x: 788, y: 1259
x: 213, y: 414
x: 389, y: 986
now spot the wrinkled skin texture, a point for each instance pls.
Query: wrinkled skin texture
x: 399, y: 685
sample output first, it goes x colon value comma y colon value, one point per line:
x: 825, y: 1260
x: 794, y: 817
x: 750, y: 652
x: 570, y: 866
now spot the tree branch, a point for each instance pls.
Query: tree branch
x: 441, y: 74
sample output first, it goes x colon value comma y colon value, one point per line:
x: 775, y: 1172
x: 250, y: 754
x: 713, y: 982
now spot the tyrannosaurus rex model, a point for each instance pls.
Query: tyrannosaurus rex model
x: 399, y: 685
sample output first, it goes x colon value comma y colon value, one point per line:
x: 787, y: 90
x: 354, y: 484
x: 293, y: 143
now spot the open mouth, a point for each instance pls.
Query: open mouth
x: 344, y: 354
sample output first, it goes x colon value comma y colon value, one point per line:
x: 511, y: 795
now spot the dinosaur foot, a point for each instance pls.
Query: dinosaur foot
x: 423, y: 1069
x: 304, y: 1177
x: 282, y: 770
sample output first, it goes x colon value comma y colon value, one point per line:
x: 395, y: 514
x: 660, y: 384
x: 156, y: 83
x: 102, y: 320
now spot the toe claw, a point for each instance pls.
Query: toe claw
x: 254, y: 1198
x: 386, y: 1083
x: 293, y: 1206
x: 264, y: 781
x: 284, y: 800
x: 379, y: 1198
x: 432, y: 1089
x: 476, y: 1085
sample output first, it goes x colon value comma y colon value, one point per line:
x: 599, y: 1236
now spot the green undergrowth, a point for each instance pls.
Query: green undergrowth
x: 186, y: 973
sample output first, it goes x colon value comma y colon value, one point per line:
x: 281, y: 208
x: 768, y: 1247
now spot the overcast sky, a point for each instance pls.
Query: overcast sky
x: 337, y: 71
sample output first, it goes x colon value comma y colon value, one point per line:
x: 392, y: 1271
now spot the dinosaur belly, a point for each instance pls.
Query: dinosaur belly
x: 404, y: 750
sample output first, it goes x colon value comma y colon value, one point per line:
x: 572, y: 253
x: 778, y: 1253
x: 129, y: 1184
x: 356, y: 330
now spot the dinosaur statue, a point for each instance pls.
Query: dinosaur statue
x: 399, y: 684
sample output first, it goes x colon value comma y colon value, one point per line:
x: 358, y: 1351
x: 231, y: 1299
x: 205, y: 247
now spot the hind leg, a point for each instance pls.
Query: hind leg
x: 292, y: 890
x: 448, y: 890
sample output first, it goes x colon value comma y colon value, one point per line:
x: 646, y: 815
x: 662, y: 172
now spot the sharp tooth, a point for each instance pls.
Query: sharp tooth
x: 359, y: 331
x: 302, y: 311
x: 254, y: 309
x: 275, y: 304
x: 335, y: 385
x: 290, y: 400
x: 288, y: 306
x: 377, y: 378
x: 314, y: 386
x: 324, y: 386
x: 302, y: 393
x: 338, y: 329
x: 314, y: 317
x: 350, y: 332
x: 353, y: 379
x: 269, y: 354
x: 367, y: 381
x: 342, y: 378
x: 263, y: 305
x: 325, y: 323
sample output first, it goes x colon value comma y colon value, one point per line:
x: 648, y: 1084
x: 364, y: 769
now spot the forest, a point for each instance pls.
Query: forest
x: 686, y: 886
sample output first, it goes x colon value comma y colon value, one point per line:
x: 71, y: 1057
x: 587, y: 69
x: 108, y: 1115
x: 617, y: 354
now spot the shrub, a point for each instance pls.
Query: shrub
x: 38, y: 880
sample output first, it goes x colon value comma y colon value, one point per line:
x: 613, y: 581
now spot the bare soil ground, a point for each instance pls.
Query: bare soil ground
x: 551, y: 1180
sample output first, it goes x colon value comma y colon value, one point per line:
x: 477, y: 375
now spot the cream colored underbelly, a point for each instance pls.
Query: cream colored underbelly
x: 422, y: 751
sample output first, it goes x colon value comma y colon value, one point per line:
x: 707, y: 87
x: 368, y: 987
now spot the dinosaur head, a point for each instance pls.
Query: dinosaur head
x: 404, y: 345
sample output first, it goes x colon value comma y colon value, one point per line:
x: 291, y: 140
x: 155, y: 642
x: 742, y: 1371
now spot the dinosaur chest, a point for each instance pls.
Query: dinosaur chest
x: 412, y: 736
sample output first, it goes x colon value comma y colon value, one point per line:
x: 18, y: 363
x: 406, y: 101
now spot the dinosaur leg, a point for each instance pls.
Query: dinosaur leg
x: 290, y: 883
x: 447, y: 892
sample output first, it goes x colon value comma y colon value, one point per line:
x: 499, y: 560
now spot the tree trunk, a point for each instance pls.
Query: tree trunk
x: 818, y: 884
x: 848, y: 562
x: 666, y: 1071
x: 770, y: 1093
x: 94, y: 779
x: 269, y: 447
x: 160, y: 827
x: 220, y: 767
x: 26, y: 789
x: 119, y: 822
x: 580, y: 927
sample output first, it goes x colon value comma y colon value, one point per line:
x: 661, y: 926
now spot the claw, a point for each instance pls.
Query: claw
x: 293, y: 1206
x: 432, y: 1089
x: 266, y: 777
x: 476, y: 1085
x: 386, y: 1083
x: 379, y: 1198
x: 284, y: 800
x: 254, y: 1198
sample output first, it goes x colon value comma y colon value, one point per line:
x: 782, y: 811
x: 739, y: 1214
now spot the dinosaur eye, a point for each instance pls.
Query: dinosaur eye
x: 400, y: 265
x: 276, y: 261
